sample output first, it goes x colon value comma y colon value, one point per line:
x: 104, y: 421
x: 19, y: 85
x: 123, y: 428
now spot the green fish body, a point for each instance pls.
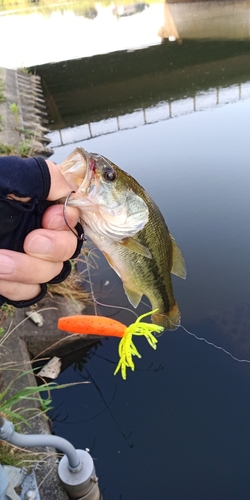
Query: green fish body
x: 127, y: 226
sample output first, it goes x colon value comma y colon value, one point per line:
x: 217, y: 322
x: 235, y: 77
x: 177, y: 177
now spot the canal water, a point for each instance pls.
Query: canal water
x: 163, y: 90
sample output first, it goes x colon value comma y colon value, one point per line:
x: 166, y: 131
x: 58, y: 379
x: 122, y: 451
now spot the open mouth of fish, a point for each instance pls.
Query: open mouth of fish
x: 80, y: 169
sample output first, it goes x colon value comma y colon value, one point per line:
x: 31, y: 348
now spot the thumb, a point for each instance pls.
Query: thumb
x: 59, y: 187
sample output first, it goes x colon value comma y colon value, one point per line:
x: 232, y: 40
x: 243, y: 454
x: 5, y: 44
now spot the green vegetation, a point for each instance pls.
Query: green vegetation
x: 24, y: 149
x: 16, y: 409
x: 6, y: 149
x: 2, y: 87
x: 15, y: 110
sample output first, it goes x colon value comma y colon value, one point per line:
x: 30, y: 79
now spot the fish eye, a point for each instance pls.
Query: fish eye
x: 109, y: 174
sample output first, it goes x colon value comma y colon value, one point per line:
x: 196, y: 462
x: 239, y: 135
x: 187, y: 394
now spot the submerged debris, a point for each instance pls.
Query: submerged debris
x: 51, y: 369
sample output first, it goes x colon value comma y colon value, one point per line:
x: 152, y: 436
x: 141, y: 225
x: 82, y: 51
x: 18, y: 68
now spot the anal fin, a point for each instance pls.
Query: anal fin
x: 133, y: 297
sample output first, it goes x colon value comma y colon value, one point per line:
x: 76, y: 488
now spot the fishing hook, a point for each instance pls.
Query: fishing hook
x: 80, y: 237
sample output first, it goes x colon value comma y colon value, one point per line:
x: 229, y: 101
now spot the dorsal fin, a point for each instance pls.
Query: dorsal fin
x: 178, y: 263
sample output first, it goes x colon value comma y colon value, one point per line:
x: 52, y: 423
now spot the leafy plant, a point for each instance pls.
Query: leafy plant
x: 8, y: 309
x: 26, y: 394
x: 15, y: 110
x: 24, y: 148
x: 6, y: 149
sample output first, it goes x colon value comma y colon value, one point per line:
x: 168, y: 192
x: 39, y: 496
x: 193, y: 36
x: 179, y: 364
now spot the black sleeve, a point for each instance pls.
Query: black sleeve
x: 23, y: 178
x: 28, y: 180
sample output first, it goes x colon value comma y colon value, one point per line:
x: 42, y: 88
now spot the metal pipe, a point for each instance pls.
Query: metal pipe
x: 4, y: 483
x: 76, y: 468
x: 8, y: 433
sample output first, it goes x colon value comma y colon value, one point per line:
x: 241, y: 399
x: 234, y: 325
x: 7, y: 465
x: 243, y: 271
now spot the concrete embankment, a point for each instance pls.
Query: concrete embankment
x: 23, y: 114
x: 26, y: 342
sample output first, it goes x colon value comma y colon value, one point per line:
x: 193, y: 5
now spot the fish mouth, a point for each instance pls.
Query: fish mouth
x: 90, y: 169
x: 92, y: 174
x: 79, y: 169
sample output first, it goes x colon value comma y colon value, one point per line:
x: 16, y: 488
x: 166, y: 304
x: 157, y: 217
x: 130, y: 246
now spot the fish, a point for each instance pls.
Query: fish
x: 127, y: 226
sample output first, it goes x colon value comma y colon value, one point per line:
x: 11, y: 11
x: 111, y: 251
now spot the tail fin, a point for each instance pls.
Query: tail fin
x: 170, y: 320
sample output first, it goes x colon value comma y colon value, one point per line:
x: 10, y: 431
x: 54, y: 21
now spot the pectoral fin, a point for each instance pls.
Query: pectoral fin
x: 133, y: 297
x: 136, y: 247
x: 178, y: 263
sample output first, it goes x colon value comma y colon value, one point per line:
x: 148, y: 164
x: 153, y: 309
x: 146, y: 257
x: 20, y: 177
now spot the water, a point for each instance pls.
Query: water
x: 175, y: 115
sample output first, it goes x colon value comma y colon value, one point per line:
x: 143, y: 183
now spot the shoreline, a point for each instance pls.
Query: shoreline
x: 22, y: 133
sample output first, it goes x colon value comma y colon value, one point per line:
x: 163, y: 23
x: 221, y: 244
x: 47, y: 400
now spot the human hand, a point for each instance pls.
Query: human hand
x: 45, y: 249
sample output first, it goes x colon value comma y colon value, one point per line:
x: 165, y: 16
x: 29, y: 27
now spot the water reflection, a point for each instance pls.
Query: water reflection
x: 83, y: 30
x: 201, y: 20
x: 162, y: 111
x: 129, y: 10
x: 79, y: 32
x: 144, y: 86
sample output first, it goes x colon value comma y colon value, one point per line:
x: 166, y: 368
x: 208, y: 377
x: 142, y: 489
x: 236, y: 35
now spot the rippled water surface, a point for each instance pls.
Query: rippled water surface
x: 164, y: 92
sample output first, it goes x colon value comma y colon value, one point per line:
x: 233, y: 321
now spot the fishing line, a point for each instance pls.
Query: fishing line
x: 90, y: 282
x: 202, y: 339
x: 95, y: 301
x: 205, y: 340
x: 117, y: 307
x: 211, y: 344
x: 125, y: 437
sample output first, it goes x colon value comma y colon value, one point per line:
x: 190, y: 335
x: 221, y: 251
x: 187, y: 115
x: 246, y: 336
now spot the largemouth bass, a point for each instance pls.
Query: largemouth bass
x: 127, y: 226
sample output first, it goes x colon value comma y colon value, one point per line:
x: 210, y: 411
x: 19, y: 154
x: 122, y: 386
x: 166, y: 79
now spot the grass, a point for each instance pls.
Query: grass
x: 16, y: 407
x: 23, y: 149
x: 2, y: 87
x: 15, y: 110
x: 72, y: 287
x: 20, y: 408
x: 29, y: 402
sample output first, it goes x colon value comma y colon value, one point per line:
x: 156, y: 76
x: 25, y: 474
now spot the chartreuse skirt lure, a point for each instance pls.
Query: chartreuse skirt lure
x: 100, y: 325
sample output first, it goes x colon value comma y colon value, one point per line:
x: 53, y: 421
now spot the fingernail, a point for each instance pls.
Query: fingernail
x: 39, y: 245
x: 6, y: 264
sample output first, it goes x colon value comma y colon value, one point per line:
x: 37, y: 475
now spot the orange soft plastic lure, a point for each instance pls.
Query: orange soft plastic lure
x: 108, y: 327
x: 92, y: 325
